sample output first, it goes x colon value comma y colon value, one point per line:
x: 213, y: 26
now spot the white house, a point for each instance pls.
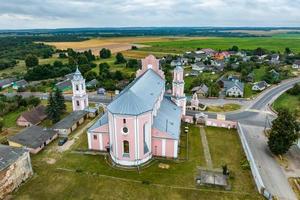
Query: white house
x: 296, y: 64
x: 234, y: 88
x: 260, y: 86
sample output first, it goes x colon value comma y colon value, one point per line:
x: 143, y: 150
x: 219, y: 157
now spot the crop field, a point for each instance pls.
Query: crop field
x: 115, y: 44
x: 181, y: 46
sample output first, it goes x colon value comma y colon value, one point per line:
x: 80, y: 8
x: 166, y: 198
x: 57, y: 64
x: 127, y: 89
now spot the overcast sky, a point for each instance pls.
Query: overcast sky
x: 19, y: 14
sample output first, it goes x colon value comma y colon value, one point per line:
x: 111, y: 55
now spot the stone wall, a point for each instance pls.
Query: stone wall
x: 12, y: 177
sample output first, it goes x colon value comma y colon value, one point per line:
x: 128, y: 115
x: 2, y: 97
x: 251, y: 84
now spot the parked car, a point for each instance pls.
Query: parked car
x: 62, y: 141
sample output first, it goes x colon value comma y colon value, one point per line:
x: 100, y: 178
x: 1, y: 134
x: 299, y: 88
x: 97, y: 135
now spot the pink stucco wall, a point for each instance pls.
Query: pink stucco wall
x: 156, y: 146
x: 170, y: 148
x: 160, y: 134
x: 220, y: 123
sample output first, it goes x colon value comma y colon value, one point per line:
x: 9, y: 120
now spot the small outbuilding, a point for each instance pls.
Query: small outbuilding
x: 32, y: 117
x: 70, y: 122
x: 15, y: 168
x: 33, y: 138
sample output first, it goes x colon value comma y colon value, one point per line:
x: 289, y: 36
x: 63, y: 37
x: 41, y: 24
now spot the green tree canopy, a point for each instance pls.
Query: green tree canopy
x: 120, y: 58
x: 31, y: 61
x: 105, y: 53
x: 284, y: 132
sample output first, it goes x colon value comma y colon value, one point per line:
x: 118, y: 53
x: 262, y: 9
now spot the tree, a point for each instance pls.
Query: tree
x: 90, y: 75
x: 284, y: 132
x: 51, y: 109
x: 287, y: 51
x: 104, y: 72
x: 234, y: 48
x: 105, y: 53
x: 120, y: 58
x: 59, y: 101
x: 133, y: 63
x: 294, y: 90
x: 31, y: 61
x: 1, y: 124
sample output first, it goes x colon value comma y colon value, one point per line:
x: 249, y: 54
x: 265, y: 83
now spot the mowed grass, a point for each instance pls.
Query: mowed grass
x: 225, y: 108
x: 21, y: 66
x: 225, y: 148
x: 180, y: 46
x: 76, y: 176
x: 289, y: 102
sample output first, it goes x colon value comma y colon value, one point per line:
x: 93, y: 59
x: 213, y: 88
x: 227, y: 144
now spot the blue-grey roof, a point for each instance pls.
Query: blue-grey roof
x: 139, y: 96
x: 230, y: 84
x: 168, y: 118
x: 9, y: 155
x: 102, y: 121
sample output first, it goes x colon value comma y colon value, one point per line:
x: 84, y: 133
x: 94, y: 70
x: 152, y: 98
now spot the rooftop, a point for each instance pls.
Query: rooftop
x: 70, y: 120
x: 8, y: 155
x: 35, y: 115
x: 139, y: 96
x: 33, y: 136
x: 168, y: 118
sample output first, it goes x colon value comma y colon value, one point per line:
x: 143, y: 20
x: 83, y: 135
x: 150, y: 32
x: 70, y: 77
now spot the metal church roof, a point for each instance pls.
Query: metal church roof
x: 139, y: 96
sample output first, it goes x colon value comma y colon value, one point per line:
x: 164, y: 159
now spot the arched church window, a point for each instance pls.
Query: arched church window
x: 77, y: 102
x: 125, y: 147
x: 77, y: 88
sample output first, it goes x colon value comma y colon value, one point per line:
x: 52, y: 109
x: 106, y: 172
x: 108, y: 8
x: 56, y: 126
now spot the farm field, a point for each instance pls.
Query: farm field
x: 181, y: 46
x: 78, y: 176
x: 115, y: 44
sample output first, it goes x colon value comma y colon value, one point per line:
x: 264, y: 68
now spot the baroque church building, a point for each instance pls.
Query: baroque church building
x: 142, y: 121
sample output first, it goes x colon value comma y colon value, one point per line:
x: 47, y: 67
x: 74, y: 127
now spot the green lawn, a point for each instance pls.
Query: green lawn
x: 288, y: 101
x: 270, y: 43
x: 225, y: 148
x: 90, y: 177
x: 259, y: 74
x: 21, y: 67
x: 225, y: 108
x: 11, y: 118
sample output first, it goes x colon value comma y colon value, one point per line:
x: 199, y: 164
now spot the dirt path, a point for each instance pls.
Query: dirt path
x: 206, y: 148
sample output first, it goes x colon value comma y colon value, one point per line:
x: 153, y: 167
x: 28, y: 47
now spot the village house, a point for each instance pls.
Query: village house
x: 199, y: 66
x: 33, y: 138
x: 209, y: 52
x: 32, y: 117
x: 142, y: 122
x: 275, y: 59
x: 250, y: 77
x: 200, y: 57
x: 234, y: 88
x: 274, y: 74
x: 19, y: 84
x: 259, y: 86
x: 70, y: 123
x: 15, y: 168
x: 64, y: 85
x: 92, y: 84
x: 201, y: 90
x: 179, y: 61
x: 296, y: 64
x: 5, y: 83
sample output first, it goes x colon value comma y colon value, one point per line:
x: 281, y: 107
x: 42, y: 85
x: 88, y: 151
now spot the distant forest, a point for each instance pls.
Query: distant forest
x: 75, y: 34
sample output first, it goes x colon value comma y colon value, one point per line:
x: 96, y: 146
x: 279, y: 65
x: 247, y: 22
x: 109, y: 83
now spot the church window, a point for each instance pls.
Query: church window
x: 95, y: 137
x: 77, y: 102
x: 125, y: 130
x: 77, y: 88
x: 82, y: 86
x: 124, y: 121
x: 125, y: 147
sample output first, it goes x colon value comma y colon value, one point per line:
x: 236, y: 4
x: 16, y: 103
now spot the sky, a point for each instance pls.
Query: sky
x: 27, y: 14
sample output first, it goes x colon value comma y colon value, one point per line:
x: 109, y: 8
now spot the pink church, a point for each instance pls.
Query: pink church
x: 142, y: 122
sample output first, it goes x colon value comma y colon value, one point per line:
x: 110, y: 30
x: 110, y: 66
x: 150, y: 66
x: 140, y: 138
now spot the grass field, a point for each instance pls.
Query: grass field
x: 76, y: 176
x: 288, y: 101
x: 180, y: 46
x: 225, y: 108
x: 21, y: 67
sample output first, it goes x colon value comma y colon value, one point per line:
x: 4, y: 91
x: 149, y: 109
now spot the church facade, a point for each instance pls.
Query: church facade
x: 142, y: 121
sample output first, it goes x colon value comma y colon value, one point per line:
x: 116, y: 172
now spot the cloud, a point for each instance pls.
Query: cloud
x: 16, y: 14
